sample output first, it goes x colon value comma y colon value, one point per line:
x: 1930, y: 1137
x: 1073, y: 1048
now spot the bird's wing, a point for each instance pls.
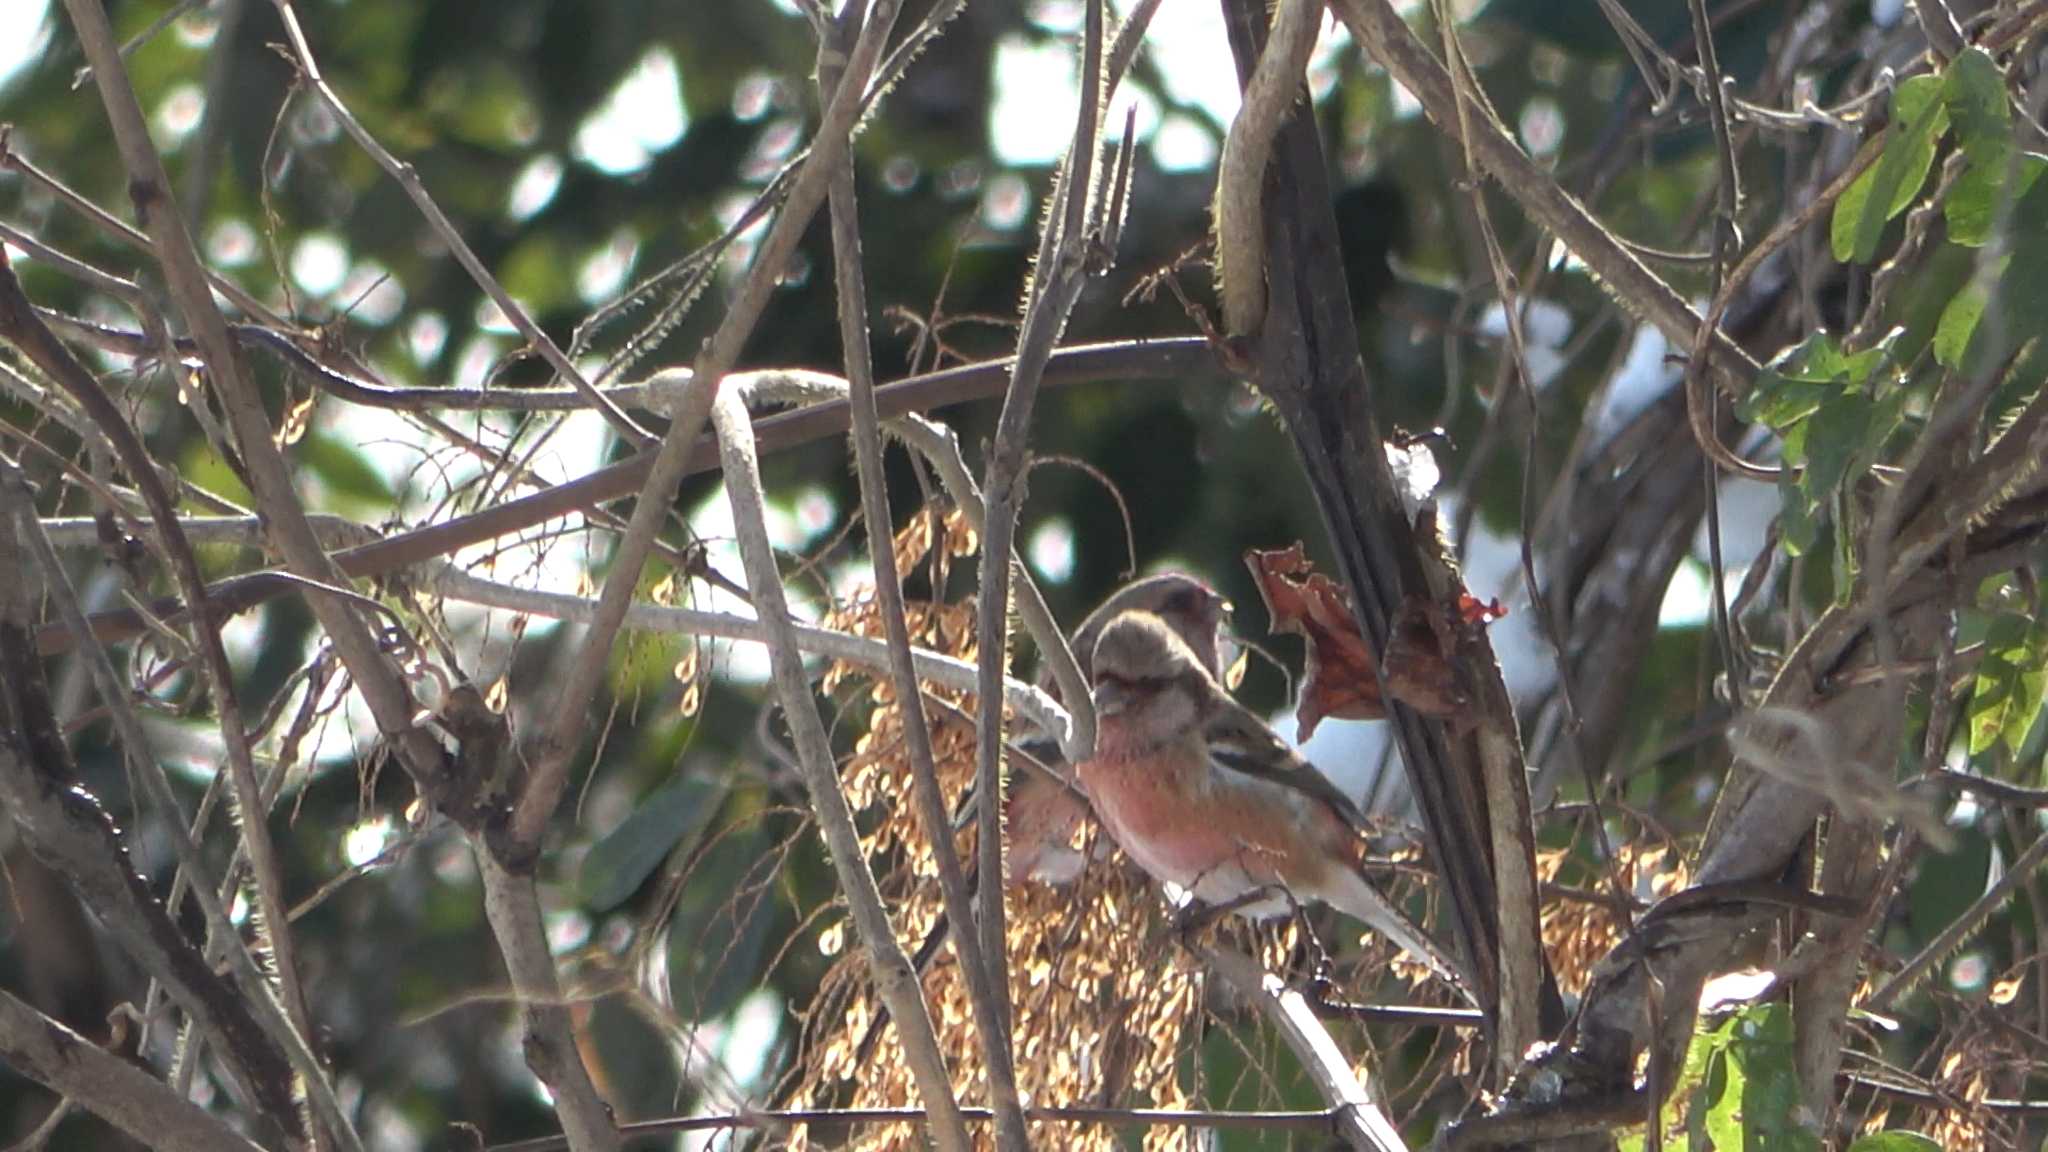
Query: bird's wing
x: 1243, y: 743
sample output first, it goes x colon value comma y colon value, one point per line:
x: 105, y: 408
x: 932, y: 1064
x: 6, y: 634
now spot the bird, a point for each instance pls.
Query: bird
x: 1203, y: 796
x: 1043, y: 808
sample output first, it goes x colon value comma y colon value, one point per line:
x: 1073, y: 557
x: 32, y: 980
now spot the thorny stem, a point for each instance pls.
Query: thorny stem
x: 1061, y: 272
x: 850, y: 279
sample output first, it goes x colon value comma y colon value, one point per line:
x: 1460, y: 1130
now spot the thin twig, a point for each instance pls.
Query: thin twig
x: 1701, y: 405
x: 850, y: 280
x: 268, y: 474
x: 2011, y: 795
x: 69, y: 831
x: 146, y: 766
x: 21, y: 326
x: 1324, y: 1120
x: 1949, y: 938
x: 894, y: 977
x: 562, y: 736
x: 1061, y: 272
x: 1385, y: 36
x: 446, y: 232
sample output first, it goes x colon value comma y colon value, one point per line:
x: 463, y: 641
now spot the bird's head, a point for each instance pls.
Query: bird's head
x: 1193, y: 610
x: 1148, y: 682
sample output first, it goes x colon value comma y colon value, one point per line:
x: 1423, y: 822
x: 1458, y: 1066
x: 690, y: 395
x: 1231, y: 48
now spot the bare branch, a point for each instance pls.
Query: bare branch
x: 71, y: 833
x: 775, y: 1120
x: 447, y: 233
x: 1061, y: 272
x: 1162, y: 360
x: 1360, y: 1121
x: 146, y: 767
x: 1269, y: 97
x: 850, y: 279
x: 269, y: 476
x: 20, y: 325
x: 894, y: 977
x: 512, y: 902
x: 109, y: 1087
x: 1385, y: 37
x: 563, y: 734
x: 959, y: 675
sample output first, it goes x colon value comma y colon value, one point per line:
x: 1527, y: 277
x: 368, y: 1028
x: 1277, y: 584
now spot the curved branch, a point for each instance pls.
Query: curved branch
x: 1269, y: 98
x: 951, y: 672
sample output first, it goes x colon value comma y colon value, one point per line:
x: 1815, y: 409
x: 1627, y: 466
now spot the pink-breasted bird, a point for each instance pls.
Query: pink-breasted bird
x: 1041, y: 813
x: 1201, y: 794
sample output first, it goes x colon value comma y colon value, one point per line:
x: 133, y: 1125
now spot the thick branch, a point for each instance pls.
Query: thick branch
x: 107, y: 1086
x: 1307, y: 361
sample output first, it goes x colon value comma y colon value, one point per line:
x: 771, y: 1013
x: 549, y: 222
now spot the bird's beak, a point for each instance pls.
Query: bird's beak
x: 1111, y: 698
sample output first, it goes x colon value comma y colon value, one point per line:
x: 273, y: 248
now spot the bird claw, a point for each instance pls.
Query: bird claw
x: 1197, y: 915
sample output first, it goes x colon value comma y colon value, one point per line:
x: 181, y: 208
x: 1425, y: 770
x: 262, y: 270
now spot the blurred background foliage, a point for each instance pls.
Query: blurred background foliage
x: 581, y: 145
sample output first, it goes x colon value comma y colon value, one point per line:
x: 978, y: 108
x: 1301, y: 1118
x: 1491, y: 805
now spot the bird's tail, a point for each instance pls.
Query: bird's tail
x: 1352, y: 894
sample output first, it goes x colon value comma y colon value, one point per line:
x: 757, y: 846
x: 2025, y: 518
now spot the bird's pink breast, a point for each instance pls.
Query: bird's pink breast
x: 1182, y: 829
x: 1142, y: 805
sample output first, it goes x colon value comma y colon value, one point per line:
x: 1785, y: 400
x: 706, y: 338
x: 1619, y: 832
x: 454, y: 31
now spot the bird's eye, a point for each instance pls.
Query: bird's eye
x: 1128, y: 685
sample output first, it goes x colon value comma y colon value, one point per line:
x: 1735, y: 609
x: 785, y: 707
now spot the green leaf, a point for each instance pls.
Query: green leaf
x: 1837, y: 433
x: 1830, y: 410
x: 1946, y: 883
x: 1760, y: 1061
x: 2014, y: 291
x: 1984, y: 188
x: 1781, y: 401
x: 672, y: 814
x: 1800, y: 380
x: 723, y: 923
x: 2022, y: 295
x: 1723, y: 1116
x: 1919, y: 300
x: 1918, y: 119
x: 1800, y: 523
x: 2007, y: 693
x: 1974, y: 92
x: 1958, y: 323
x: 1898, y: 1141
